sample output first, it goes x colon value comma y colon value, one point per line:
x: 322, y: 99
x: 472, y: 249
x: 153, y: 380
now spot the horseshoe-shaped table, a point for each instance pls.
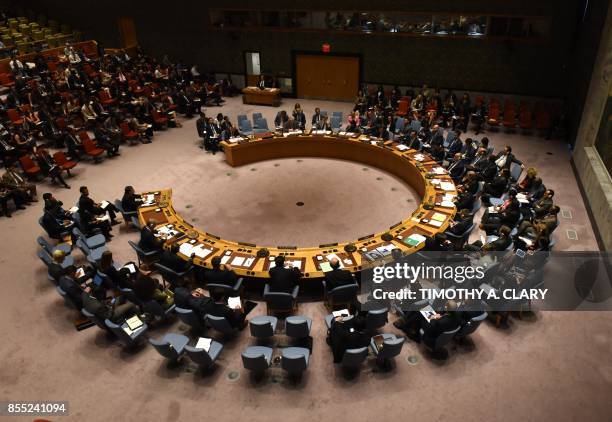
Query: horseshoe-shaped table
x: 433, y: 215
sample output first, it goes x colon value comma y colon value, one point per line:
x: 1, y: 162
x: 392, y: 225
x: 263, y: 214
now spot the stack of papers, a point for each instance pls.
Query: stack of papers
x: 435, y: 223
x: 438, y: 170
x: 321, y: 132
x: 415, y: 239
x: 418, y: 157
x: 325, y: 266
x: 204, y: 343
x: 447, y: 186
x: 350, y: 134
x: 296, y: 264
x: 186, y: 249
x: 167, y: 231
x: 438, y: 217
x: 522, y: 198
x: 234, y: 302
x: 225, y: 259
x: 104, y: 204
x: 436, y: 181
x: 201, y: 252
x: 73, y: 210
x: 448, y: 197
x: 386, y: 249
x: 402, y: 147
x: 447, y: 204
x: 234, y: 140
x: 342, y: 313
x: 148, y: 200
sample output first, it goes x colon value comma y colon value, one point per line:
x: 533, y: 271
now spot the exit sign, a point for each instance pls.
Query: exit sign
x: 326, y: 48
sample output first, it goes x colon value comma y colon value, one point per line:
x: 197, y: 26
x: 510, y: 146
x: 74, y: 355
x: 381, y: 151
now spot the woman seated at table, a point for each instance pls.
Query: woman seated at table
x: 146, y: 288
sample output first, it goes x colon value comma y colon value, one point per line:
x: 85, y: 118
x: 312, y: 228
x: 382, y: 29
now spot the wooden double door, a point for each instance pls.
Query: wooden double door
x: 327, y: 77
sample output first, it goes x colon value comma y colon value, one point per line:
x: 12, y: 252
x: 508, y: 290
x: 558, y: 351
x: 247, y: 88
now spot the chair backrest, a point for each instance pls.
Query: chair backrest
x: 118, y: 331
x: 153, y: 307
x: 199, y: 356
x: 241, y: 117
x: 515, y: 171
x: 60, y: 158
x: 279, y: 300
x: 323, y: 113
x: 376, y: 318
x: 188, y: 317
x: 164, y: 348
x: 254, y: 359
x: 336, y: 122
x: 354, y: 357
x: 220, y: 324
x: 294, y: 362
x: 245, y: 126
x: 337, y: 113
x: 399, y: 124
x: 391, y: 347
x: 402, y: 106
x: 84, y: 136
x: 261, y: 123
x: 44, y: 244
x: 45, y: 257
x: 343, y: 294
x: 444, y: 338
x: 297, y: 327
x: 13, y: 114
x: 96, y: 319
x: 256, y: 116
x: 471, y: 326
x: 261, y: 328
x: 26, y: 162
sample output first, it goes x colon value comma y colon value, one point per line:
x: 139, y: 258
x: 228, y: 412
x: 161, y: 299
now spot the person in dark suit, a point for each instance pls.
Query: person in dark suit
x: 456, y: 169
x: 106, y: 141
x: 488, y: 171
x: 464, y: 200
x: 55, y: 226
x: 148, y: 241
x: 220, y: 273
x: 213, y: 136
x: 283, y: 279
x: 262, y: 82
x: 455, y: 146
x: 344, y: 335
x: 89, y: 211
x: 505, y: 159
x: 281, y: 119
x: 497, y: 187
x: 299, y: 116
x: 506, y: 214
x: 543, y: 206
x: 118, y: 277
x: 201, y: 128
x: 219, y: 308
x: 195, y: 299
x: 462, y: 222
x: 317, y: 118
x: 337, y: 277
x: 146, y: 288
x: 440, y: 323
x: 498, y: 245
x: 169, y: 258
x: 130, y: 201
x: 480, y: 160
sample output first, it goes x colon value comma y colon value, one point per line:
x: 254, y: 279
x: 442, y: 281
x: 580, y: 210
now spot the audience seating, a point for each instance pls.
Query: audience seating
x: 128, y: 217
x: 294, y: 360
x: 154, y: 308
x: 96, y: 320
x: 128, y: 340
x: 65, y: 164
x: 92, y: 242
x: 190, y: 318
x: 257, y: 359
x: 227, y: 290
x: 353, y: 358
x: 281, y: 301
x: 438, y: 344
x: 31, y: 170
x: 64, y: 247
x: 340, y: 297
x: 263, y: 326
x: 144, y: 257
x: 376, y: 319
x: 171, y: 346
x: 220, y: 324
x: 392, y: 347
x: 298, y: 326
x: 470, y: 326
x: 91, y: 149
x: 204, y: 359
x: 172, y: 277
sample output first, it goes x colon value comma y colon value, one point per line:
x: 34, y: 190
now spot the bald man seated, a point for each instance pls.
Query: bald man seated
x: 337, y: 276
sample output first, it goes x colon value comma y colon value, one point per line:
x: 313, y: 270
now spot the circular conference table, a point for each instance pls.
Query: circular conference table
x: 433, y: 215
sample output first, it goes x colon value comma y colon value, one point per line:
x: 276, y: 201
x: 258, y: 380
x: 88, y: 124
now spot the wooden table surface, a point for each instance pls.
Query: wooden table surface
x: 383, y: 155
x: 268, y: 96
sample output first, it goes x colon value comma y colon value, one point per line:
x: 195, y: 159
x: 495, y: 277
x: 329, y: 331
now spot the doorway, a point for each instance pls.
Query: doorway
x: 253, y: 67
x: 127, y: 32
x: 327, y: 77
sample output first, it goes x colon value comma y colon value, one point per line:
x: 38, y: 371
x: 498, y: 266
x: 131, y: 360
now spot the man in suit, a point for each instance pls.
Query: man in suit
x: 497, y: 245
x: 220, y: 274
x: 456, y: 169
x: 506, y: 214
x: 89, y: 208
x: 201, y: 124
x: 455, y: 146
x: 543, y: 205
x: 262, y: 82
x: 440, y: 323
x: 106, y: 141
x: 337, y: 277
x: 169, y: 258
x: 283, y: 279
x: 505, y: 159
x: 195, y: 299
x: 148, y: 241
x: 462, y: 222
x: 219, y: 308
x: 14, y: 182
x: 213, y: 136
x: 317, y: 118
x: 117, y: 309
x: 344, y: 335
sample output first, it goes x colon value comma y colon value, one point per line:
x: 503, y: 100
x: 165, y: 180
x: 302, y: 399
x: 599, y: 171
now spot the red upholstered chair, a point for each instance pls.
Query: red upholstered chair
x: 61, y: 160
x: 6, y: 79
x: 509, y: 117
x: 158, y: 119
x: 29, y: 167
x: 526, y: 119
x: 90, y: 147
x: 105, y: 98
x: 127, y: 133
x: 402, y: 108
x: 493, y: 118
x: 14, y: 115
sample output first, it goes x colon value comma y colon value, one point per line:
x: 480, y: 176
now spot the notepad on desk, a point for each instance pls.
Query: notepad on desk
x: 201, y: 252
x: 186, y: 249
x: 415, y: 239
x: 325, y: 267
x: 104, y: 204
x: 238, y: 261
x: 438, y: 170
x: 447, y: 204
x: 447, y: 186
x: 234, y: 140
x: 204, y: 343
x: 438, y: 217
x: 225, y: 259
x: 435, y: 223
x: 402, y: 147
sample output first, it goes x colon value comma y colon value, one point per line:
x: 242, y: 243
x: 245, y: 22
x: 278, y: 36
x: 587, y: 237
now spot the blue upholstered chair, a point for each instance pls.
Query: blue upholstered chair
x: 263, y: 326
x: 171, y: 346
x: 128, y: 340
x: 294, y: 360
x: 392, y: 347
x: 298, y: 326
x: 203, y: 358
x: 257, y: 359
